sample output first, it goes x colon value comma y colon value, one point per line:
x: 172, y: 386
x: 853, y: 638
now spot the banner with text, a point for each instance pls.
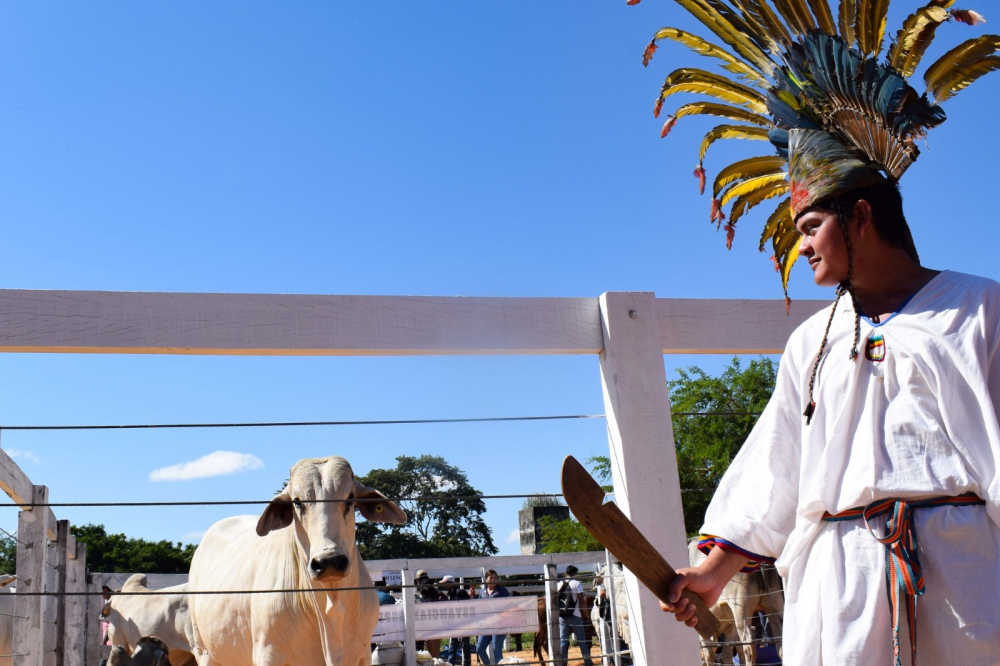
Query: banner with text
x: 454, y: 619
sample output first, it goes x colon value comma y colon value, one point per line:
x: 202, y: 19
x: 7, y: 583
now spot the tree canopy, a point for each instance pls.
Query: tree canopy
x: 706, y: 445
x: 439, y: 528
x: 116, y: 553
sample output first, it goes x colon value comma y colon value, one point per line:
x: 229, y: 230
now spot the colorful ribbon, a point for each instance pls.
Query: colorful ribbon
x: 903, y: 575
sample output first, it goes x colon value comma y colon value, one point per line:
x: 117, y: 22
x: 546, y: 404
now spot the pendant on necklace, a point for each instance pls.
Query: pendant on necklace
x: 875, y: 349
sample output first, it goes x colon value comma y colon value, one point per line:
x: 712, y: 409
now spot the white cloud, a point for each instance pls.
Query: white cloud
x: 27, y: 455
x: 217, y: 463
x: 514, y: 536
x: 192, y: 537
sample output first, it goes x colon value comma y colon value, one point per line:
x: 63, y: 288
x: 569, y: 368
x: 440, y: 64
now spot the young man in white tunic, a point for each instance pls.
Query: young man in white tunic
x: 883, y: 424
x: 913, y: 417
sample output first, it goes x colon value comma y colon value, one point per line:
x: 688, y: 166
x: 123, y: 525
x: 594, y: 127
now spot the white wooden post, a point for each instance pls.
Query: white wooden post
x: 552, y: 613
x: 409, y: 618
x: 32, y: 537
x: 55, y: 646
x: 610, y: 585
x: 643, y: 464
x: 75, y: 627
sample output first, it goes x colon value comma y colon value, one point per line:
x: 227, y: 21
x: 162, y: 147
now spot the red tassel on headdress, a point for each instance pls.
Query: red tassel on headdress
x: 730, y: 235
x: 657, y: 107
x: 967, y: 16
x: 632, y: 2
x: 648, y: 53
x: 699, y: 173
x: 667, y: 126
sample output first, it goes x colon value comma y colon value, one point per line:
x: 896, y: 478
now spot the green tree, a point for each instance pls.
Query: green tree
x: 439, y: 528
x: 569, y: 536
x: 706, y: 445
x: 116, y: 553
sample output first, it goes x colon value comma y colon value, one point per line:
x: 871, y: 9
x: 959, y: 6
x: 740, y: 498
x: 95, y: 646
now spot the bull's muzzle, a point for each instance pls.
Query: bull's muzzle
x: 329, y: 565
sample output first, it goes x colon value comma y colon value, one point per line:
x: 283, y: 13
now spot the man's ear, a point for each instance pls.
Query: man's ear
x: 382, y: 511
x: 863, y: 214
x: 277, y: 515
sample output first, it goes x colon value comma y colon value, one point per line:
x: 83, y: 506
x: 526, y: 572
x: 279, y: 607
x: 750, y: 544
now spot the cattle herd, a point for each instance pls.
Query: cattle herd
x: 289, y: 587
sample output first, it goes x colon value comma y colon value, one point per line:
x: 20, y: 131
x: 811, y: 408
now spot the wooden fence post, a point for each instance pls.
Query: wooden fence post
x: 74, y: 627
x: 32, y: 530
x: 644, y: 465
x: 95, y: 602
x: 552, y: 613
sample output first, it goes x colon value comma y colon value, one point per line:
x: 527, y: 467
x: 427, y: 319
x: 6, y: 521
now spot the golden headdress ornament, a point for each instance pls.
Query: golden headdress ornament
x: 840, y: 116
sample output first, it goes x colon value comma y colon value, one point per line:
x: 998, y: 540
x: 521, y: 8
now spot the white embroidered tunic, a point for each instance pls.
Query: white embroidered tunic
x: 919, y: 423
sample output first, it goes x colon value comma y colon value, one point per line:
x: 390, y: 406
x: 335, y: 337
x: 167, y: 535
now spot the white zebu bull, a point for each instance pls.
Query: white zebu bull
x: 742, y: 597
x: 166, y: 615
x: 296, y: 544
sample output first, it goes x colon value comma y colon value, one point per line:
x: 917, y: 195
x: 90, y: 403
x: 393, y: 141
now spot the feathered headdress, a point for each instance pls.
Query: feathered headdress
x: 839, y: 117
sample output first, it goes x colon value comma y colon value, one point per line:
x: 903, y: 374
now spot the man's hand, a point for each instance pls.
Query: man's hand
x: 706, y: 580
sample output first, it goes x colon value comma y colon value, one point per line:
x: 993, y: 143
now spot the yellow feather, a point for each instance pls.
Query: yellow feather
x: 880, y: 14
x: 731, y: 132
x: 786, y: 237
x: 702, y: 82
x: 751, y: 185
x: 745, y: 202
x: 959, y: 58
x: 796, y: 15
x: 725, y: 31
x: 960, y: 80
x: 724, y: 111
x: 913, y: 39
x: 823, y: 16
x: 762, y: 13
x: 847, y: 18
x: 705, y: 48
x: 788, y: 261
x: 748, y: 168
x: 774, y: 221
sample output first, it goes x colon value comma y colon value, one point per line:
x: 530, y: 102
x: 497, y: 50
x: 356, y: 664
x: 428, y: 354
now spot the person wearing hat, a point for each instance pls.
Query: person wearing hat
x: 883, y: 424
x: 426, y: 592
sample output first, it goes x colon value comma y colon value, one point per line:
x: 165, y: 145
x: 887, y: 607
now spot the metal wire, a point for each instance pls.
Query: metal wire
x: 430, y: 498
x: 13, y: 537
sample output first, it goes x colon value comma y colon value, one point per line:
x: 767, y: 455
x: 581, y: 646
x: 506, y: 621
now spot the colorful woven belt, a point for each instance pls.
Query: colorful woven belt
x: 902, y: 564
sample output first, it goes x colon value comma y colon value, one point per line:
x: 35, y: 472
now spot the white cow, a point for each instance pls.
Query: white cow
x: 295, y: 544
x: 740, y: 600
x: 166, y: 615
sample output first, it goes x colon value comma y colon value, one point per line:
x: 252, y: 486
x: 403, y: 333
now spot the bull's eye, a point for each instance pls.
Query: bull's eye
x: 349, y: 504
x: 299, y: 506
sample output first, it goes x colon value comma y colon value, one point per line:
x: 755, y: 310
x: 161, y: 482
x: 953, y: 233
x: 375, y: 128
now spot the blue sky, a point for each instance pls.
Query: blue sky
x: 446, y: 148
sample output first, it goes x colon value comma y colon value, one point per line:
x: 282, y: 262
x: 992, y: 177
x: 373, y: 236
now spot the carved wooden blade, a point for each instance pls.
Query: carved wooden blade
x: 617, y: 533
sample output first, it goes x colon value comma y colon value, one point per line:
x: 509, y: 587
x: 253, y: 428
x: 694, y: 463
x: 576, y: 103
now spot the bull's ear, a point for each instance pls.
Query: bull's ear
x: 382, y: 511
x: 277, y: 515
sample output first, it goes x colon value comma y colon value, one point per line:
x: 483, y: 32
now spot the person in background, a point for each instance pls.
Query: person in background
x: 491, y: 589
x: 384, y: 598
x: 455, y: 592
x: 574, y: 622
x: 426, y: 591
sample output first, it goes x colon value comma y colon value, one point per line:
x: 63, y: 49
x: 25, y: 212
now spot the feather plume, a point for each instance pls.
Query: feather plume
x: 756, y: 32
x: 961, y: 79
x: 847, y: 19
x: 823, y: 16
x: 705, y: 48
x: 870, y: 25
x: 749, y: 186
x: 748, y: 168
x: 699, y: 81
x: 787, y: 262
x: 730, y: 132
x: 959, y: 58
x: 699, y: 173
x: 745, y: 202
x: 913, y: 39
x: 723, y: 111
x: 725, y: 31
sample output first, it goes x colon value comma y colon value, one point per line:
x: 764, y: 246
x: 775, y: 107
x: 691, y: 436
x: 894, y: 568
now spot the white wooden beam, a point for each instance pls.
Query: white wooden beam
x: 704, y: 326
x: 299, y: 325
x: 94, y: 633
x: 644, y: 466
x: 15, y: 482
x: 75, y: 627
x: 255, y: 324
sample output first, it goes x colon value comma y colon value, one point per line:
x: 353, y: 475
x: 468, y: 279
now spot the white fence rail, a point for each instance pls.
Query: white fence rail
x: 630, y: 331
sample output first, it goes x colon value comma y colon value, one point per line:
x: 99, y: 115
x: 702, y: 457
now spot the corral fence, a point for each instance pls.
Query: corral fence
x: 629, y: 332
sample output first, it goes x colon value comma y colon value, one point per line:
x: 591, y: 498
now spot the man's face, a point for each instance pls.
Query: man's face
x: 823, y: 246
